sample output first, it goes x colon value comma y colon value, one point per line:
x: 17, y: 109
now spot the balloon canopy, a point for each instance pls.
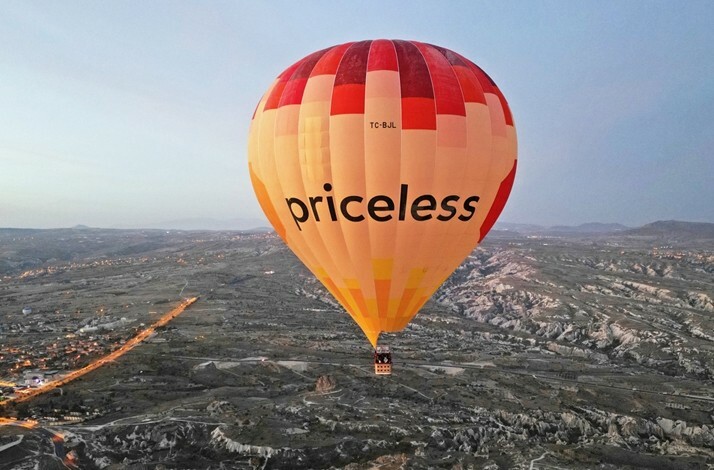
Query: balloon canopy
x: 382, y: 164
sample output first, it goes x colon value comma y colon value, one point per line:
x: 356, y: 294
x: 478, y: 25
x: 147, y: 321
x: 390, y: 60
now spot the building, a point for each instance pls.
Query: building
x: 34, y: 378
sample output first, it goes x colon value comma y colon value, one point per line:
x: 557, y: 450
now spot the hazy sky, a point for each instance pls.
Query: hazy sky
x: 131, y: 113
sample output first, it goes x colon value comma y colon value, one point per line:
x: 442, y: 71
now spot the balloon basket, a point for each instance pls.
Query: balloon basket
x: 382, y: 361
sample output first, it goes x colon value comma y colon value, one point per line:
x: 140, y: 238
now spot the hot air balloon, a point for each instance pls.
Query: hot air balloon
x: 382, y: 164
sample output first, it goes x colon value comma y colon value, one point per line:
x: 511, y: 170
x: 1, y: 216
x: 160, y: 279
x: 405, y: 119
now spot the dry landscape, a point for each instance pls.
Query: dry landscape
x: 545, y: 349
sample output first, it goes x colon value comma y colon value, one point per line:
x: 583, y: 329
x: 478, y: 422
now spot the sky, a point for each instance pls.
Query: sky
x: 133, y: 113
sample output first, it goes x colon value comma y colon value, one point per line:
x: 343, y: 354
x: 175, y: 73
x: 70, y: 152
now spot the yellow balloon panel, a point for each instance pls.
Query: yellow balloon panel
x: 382, y: 164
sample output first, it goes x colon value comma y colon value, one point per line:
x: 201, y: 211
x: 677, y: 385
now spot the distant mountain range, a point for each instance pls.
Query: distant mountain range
x: 668, y: 229
x: 675, y: 229
x: 672, y: 229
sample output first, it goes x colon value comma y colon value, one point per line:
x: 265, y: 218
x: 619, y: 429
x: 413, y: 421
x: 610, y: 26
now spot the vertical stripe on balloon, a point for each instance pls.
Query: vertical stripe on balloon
x: 276, y: 93
x: 418, y: 109
x: 348, y: 93
x: 504, y: 190
x: 292, y: 93
x: 328, y: 63
x: 447, y: 91
x: 382, y: 56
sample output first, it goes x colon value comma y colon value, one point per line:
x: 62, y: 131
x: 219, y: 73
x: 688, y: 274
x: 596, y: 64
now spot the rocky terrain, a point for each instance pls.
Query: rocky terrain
x: 649, y: 305
x: 541, y: 351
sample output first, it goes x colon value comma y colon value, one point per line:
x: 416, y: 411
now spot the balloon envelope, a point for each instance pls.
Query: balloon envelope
x: 382, y: 164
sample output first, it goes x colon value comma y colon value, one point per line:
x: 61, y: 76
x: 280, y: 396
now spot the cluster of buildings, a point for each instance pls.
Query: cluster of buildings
x: 75, y: 265
x: 31, y: 362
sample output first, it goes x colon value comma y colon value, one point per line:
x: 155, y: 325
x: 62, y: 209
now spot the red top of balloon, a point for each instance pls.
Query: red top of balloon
x: 429, y: 77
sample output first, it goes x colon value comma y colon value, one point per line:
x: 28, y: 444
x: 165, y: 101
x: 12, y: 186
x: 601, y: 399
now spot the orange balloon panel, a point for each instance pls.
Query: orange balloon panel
x: 382, y: 164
